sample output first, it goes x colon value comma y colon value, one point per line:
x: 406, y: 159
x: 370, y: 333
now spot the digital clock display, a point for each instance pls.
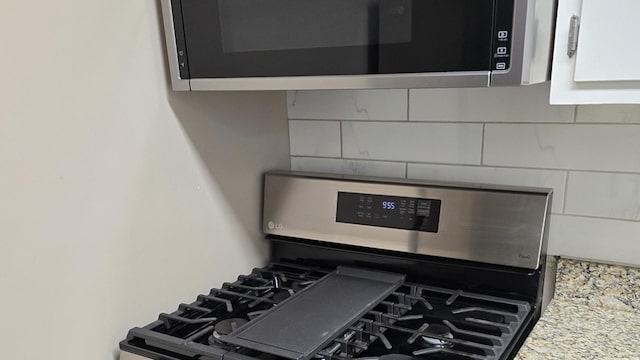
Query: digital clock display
x: 389, y: 211
x: 389, y: 205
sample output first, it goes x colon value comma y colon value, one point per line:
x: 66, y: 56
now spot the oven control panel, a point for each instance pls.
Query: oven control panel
x: 389, y: 211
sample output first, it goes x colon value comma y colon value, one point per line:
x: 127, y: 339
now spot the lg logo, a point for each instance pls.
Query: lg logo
x: 274, y: 226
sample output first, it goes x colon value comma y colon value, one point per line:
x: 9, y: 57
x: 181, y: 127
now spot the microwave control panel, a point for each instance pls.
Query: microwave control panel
x: 502, y: 34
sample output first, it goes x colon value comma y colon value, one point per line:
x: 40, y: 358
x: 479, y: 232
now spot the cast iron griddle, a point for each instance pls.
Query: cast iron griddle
x: 303, y: 324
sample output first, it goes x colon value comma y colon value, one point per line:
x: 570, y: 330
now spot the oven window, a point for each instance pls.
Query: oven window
x: 245, y: 38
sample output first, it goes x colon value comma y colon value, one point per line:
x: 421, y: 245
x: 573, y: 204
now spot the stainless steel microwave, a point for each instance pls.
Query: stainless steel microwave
x: 354, y: 44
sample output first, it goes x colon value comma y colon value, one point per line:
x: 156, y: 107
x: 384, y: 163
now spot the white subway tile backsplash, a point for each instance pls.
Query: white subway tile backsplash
x: 608, y: 113
x: 507, y: 136
x: 604, y: 195
x: 577, y: 146
x: 353, y: 167
x: 417, y: 142
x: 385, y: 105
x: 520, y: 104
x: 314, y: 138
x: 489, y: 175
x: 595, y: 239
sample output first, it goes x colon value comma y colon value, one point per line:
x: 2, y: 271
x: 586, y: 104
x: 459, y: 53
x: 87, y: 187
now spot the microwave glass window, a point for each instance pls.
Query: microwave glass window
x: 266, y: 25
x: 255, y: 38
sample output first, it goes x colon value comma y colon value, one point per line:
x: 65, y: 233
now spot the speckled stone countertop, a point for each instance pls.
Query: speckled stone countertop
x: 595, y: 315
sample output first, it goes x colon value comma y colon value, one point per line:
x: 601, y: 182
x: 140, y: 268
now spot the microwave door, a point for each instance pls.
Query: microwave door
x: 444, y: 36
x: 293, y: 38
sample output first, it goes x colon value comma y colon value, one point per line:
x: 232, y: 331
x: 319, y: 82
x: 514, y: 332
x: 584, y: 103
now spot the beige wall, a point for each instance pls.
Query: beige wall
x: 118, y: 198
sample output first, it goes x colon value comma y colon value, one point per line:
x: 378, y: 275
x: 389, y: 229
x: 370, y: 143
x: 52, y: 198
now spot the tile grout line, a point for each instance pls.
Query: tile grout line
x: 408, y: 104
x: 476, y: 165
x: 566, y: 192
x: 542, y: 123
x: 341, y: 145
x: 598, y: 217
x: 289, y: 135
x: 482, y: 145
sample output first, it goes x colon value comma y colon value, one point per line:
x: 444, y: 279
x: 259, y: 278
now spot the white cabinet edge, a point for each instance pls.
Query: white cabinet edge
x: 564, y: 91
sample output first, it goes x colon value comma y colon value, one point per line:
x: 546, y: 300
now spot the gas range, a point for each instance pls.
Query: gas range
x: 368, y: 269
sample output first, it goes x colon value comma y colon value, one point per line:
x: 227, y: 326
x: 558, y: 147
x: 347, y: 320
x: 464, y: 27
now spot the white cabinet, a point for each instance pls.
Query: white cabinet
x: 605, y: 68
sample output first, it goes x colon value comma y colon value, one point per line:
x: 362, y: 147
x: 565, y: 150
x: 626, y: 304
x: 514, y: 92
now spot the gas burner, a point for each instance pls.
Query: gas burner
x: 225, y: 327
x: 281, y: 296
x: 441, y: 331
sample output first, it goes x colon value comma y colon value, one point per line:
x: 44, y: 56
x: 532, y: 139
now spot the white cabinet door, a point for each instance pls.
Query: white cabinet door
x: 605, y: 69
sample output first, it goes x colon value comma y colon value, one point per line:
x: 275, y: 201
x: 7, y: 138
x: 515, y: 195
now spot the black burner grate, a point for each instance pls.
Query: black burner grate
x: 470, y: 326
x: 478, y: 326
